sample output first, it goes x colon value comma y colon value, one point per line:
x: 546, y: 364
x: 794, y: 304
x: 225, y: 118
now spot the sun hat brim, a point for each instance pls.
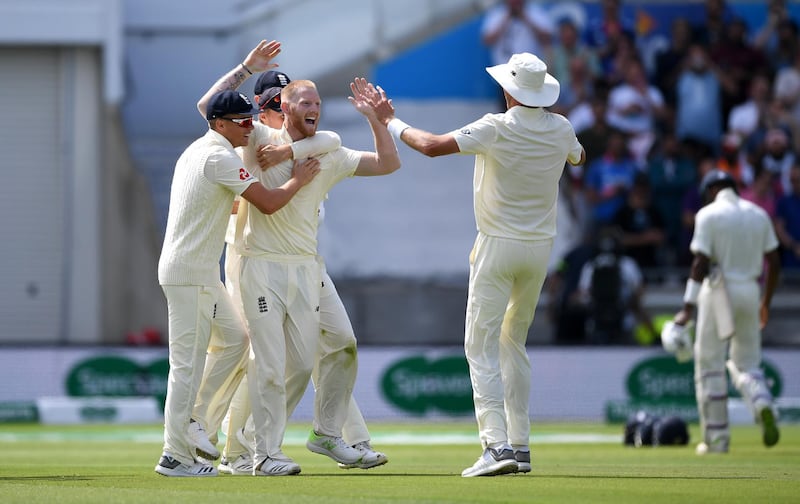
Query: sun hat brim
x: 544, y: 96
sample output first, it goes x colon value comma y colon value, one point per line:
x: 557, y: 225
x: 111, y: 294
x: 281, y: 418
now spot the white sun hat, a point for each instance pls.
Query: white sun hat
x: 525, y: 78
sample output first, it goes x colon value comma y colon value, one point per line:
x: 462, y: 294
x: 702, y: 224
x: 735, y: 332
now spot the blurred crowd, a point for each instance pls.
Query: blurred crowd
x: 722, y: 94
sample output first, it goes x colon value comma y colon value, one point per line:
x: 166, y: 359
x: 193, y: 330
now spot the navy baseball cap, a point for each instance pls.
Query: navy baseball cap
x: 716, y: 177
x: 271, y: 79
x: 270, y: 99
x: 229, y: 102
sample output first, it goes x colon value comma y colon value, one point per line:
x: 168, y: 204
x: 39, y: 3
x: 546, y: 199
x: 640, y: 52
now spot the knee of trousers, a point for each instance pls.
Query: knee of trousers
x: 711, y: 385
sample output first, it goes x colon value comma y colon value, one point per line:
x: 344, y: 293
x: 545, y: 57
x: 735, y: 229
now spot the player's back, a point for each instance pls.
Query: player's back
x: 520, y: 161
x: 737, y: 233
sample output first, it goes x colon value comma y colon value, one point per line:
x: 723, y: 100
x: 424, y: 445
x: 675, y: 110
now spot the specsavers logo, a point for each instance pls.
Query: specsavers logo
x: 663, y: 379
x: 417, y: 385
x: 112, y: 376
x: 663, y: 386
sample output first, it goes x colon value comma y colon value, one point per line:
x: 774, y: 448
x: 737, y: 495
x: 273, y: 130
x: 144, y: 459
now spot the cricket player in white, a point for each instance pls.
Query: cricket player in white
x: 214, y: 396
x: 519, y: 158
x: 732, y: 239
x: 207, y: 177
x: 280, y: 287
x: 337, y: 338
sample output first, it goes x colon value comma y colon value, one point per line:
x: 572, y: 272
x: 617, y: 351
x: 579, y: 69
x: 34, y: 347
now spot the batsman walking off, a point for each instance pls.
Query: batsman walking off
x: 519, y: 158
x: 732, y: 240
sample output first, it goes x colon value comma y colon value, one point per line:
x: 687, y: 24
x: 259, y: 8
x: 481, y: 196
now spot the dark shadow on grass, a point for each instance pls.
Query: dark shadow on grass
x: 550, y: 476
x: 375, y: 475
x: 680, y: 477
x: 50, y: 478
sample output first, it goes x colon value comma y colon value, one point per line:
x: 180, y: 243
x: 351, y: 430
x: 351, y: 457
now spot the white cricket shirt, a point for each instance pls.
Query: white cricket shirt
x: 292, y: 230
x: 519, y: 158
x: 735, y: 234
x: 207, y: 177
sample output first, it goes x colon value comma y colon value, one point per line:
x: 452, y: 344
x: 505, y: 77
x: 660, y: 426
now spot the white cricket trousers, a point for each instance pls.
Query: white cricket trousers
x: 506, y: 278
x: 202, y: 319
x: 711, y: 353
x: 335, y: 370
x: 280, y: 296
x: 336, y: 337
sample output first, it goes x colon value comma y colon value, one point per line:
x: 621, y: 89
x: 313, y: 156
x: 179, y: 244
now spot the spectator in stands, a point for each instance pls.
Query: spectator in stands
x: 513, y: 27
x: 570, y: 250
x: 625, y: 54
x: 787, y: 225
x: 786, y: 89
x: 778, y: 36
x: 711, y: 31
x: 777, y: 124
x: 670, y: 61
x: 786, y: 48
x: 777, y: 160
x: 609, y: 178
x: 691, y: 203
x: 573, y: 219
x: 594, y: 130
x: 634, y: 107
x: 579, y: 90
x: 732, y: 162
x: 567, y: 48
x: 671, y: 172
x: 604, y: 32
x: 565, y: 310
x: 762, y: 191
x: 698, y: 99
x: 643, y: 232
x: 611, y: 288
x: 737, y: 58
x: 745, y: 117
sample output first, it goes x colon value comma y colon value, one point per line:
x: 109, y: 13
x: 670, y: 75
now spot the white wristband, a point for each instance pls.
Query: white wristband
x: 692, y: 290
x: 396, y: 127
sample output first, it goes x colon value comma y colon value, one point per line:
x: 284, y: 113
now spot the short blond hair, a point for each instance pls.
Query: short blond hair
x: 290, y: 92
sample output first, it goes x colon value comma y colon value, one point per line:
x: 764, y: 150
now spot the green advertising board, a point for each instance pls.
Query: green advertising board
x: 663, y: 386
x: 114, y: 376
x: 417, y: 385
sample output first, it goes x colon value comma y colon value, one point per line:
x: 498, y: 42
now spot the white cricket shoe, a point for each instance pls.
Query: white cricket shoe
x: 199, y: 439
x: 369, y: 457
x: 333, y: 447
x: 241, y: 466
x: 492, y: 463
x: 523, y: 459
x: 277, y: 467
x: 168, y: 466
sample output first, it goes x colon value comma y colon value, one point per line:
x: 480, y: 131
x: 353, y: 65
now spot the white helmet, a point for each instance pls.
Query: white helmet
x: 677, y: 340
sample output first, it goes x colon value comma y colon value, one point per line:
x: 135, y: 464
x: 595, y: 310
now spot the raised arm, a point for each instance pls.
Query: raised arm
x: 420, y: 140
x: 385, y: 159
x: 257, y: 61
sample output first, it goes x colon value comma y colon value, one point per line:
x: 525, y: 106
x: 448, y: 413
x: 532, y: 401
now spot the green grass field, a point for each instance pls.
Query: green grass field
x: 581, y: 463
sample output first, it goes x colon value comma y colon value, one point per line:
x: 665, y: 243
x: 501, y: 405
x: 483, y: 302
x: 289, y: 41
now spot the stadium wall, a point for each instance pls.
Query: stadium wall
x: 394, y: 383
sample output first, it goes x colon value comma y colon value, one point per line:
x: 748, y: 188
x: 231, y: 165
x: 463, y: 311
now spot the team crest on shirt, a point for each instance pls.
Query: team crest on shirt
x: 244, y: 174
x: 466, y: 131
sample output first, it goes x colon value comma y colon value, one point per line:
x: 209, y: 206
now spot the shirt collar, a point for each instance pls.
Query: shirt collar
x: 218, y: 139
x: 727, y: 194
